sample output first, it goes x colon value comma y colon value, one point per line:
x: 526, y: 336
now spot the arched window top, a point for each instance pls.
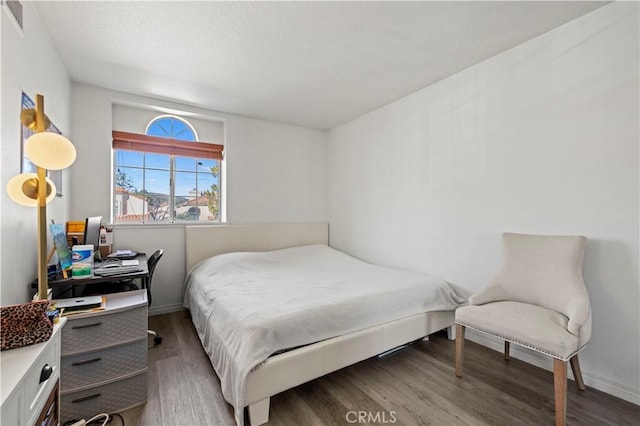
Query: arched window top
x: 171, y: 126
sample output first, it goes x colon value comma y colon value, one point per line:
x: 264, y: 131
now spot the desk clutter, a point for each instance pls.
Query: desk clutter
x: 90, y: 231
x: 77, y: 248
x: 111, y: 275
x: 114, y: 266
x: 123, y: 254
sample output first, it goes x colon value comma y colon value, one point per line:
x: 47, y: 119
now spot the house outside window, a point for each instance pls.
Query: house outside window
x: 165, y: 175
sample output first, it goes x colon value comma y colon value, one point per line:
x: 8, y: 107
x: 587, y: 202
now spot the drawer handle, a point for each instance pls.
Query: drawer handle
x: 87, y: 361
x: 93, y: 324
x: 45, y: 373
x: 86, y: 398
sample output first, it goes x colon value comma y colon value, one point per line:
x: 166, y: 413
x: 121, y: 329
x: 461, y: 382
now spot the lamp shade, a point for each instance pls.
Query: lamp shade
x: 23, y: 189
x: 50, y: 150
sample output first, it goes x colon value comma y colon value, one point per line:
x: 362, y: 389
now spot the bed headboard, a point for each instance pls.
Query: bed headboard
x: 208, y: 240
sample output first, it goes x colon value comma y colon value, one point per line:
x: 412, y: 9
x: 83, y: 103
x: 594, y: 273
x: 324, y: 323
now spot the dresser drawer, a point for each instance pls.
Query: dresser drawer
x: 102, y: 330
x: 79, y: 371
x: 110, y: 398
x: 12, y: 412
x: 42, y: 377
x: 24, y: 396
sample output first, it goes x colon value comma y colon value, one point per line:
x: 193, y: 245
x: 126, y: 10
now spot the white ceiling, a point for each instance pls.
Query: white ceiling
x: 314, y: 64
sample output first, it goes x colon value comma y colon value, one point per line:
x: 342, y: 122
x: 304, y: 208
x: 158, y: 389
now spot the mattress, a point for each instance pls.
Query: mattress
x: 246, y: 306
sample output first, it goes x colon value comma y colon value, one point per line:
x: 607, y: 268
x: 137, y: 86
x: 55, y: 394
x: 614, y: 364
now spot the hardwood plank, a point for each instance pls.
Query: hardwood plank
x: 516, y: 379
x: 478, y: 399
x: 407, y: 399
x: 326, y: 406
x: 292, y: 410
x: 418, y: 384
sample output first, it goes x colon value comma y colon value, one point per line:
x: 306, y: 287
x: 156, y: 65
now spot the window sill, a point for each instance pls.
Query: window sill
x: 163, y: 225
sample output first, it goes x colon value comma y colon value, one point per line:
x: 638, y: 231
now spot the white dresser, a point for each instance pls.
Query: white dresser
x: 104, y: 358
x: 29, y: 382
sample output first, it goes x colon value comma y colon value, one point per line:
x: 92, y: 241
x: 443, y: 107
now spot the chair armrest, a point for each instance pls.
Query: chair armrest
x: 579, y: 313
x: 487, y: 295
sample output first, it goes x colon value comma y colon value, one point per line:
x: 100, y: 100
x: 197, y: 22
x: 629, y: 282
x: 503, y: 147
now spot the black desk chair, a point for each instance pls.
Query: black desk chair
x: 151, y: 264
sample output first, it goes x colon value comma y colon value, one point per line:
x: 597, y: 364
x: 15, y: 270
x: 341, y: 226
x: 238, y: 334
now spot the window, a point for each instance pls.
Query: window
x: 165, y: 175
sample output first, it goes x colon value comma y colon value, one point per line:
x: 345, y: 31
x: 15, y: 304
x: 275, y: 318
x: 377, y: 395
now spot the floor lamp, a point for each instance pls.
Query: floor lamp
x: 48, y: 151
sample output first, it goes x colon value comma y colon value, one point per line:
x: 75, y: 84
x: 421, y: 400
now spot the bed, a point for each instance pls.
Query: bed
x: 275, y: 306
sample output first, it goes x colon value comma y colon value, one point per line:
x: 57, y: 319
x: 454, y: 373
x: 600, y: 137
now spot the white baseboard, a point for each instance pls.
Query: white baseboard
x: 539, y: 360
x: 166, y: 309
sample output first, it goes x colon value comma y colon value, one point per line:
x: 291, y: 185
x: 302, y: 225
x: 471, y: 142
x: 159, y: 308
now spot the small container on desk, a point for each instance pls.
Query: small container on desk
x: 82, y: 258
x: 105, y: 251
x: 106, y: 241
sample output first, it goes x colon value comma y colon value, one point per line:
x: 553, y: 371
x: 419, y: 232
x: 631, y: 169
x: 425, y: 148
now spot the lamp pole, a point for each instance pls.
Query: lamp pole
x: 47, y: 151
x: 43, y: 283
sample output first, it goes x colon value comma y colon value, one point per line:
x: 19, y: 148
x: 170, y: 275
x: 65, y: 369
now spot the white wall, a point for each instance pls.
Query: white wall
x: 31, y: 64
x: 542, y: 138
x: 274, y: 173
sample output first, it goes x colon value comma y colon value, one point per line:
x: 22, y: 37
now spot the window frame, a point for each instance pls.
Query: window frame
x: 150, y: 144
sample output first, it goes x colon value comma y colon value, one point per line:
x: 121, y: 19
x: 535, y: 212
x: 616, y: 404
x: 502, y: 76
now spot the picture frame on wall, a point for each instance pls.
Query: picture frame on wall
x: 26, y: 166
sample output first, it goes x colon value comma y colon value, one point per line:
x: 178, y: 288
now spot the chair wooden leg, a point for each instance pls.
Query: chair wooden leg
x: 459, y: 349
x: 560, y: 390
x: 577, y: 373
x: 507, y: 345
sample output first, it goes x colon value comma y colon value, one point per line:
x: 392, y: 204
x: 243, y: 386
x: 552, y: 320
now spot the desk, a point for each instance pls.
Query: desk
x: 72, y: 284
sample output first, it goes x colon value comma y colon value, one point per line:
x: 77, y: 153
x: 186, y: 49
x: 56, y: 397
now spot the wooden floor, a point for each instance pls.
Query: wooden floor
x: 415, y: 386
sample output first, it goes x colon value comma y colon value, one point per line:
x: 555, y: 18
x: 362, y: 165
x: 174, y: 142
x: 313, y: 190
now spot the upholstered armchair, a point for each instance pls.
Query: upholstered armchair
x: 537, y: 300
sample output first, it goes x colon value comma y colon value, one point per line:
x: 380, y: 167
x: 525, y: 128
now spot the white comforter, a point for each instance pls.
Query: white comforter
x: 246, y: 306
